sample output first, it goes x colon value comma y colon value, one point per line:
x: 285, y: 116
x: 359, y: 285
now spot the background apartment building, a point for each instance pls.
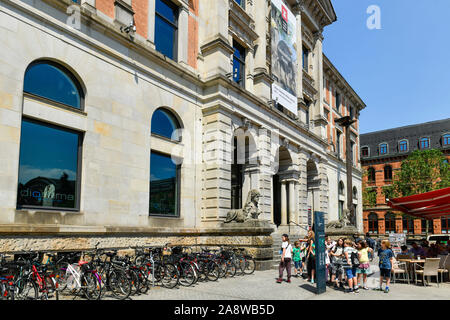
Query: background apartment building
x: 121, y: 120
x: 382, y: 153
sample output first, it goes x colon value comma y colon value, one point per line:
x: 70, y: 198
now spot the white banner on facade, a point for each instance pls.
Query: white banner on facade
x: 284, y: 56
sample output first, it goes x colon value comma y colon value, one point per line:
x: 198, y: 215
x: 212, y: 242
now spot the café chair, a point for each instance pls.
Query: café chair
x: 444, y: 266
x: 400, y: 268
x: 429, y: 269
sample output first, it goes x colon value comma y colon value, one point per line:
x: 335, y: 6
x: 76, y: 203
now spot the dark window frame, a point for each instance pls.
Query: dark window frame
x: 71, y: 76
x: 174, y: 7
x: 445, y: 226
x: 371, y: 175
x: 178, y: 125
x: 421, y: 143
x: 177, y: 214
x: 365, y: 148
x: 402, y: 143
x: 388, y: 173
x: 383, y: 147
x: 389, y: 223
x: 243, y: 52
x: 372, y: 223
x: 446, y: 140
x: 79, y: 168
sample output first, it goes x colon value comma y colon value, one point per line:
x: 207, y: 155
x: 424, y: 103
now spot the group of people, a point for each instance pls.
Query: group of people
x: 347, y: 261
x: 426, y: 250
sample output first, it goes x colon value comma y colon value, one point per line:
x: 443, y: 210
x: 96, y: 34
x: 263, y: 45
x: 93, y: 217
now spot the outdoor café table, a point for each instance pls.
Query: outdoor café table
x: 412, y: 265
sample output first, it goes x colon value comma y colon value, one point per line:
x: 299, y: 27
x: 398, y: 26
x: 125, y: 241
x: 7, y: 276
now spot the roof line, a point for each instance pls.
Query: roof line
x: 407, y: 126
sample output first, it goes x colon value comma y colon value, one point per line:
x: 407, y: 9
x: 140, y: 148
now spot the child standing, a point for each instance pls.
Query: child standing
x: 296, y: 256
x: 386, y: 264
x: 363, y: 269
x: 286, y: 257
x: 350, y: 266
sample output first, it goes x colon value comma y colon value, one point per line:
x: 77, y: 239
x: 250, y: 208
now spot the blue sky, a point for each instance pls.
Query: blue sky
x: 402, y: 71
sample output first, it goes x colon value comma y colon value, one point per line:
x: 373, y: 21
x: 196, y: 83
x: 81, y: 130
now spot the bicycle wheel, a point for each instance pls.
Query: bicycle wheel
x: 120, y: 284
x: 91, y: 286
x: 61, y: 279
x: 231, y: 268
x: 169, y: 276
x: 50, y: 287
x: 25, y: 289
x: 132, y: 274
x: 223, y: 268
x: 144, y: 282
x: 187, y: 275
x: 213, y: 271
x: 249, y: 265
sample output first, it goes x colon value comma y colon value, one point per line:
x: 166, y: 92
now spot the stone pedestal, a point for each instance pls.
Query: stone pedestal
x: 345, y: 232
x: 255, y: 237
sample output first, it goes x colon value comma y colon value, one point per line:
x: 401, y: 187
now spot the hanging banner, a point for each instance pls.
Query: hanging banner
x: 284, y: 56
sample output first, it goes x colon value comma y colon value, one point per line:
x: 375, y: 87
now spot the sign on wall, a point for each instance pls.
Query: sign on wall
x: 284, y: 56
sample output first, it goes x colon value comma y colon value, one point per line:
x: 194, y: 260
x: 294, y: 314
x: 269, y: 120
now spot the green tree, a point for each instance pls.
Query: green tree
x: 422, y: 171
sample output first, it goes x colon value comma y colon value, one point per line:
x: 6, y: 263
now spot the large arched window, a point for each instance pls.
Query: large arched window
x: 389, y: 223
x: 341, y: 188
x: 165, y: 170
x: 51, y: 81
x: 373, y: 223
x: 165, y: 124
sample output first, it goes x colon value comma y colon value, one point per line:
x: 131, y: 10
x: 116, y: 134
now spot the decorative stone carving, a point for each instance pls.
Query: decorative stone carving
x: 249, y: 211
x: 344, y: 223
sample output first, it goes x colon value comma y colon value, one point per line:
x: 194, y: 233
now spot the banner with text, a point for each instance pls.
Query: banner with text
x: 284, y: 56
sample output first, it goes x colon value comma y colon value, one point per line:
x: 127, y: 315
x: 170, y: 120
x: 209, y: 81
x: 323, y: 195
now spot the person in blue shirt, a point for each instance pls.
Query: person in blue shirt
x: 386, y: 264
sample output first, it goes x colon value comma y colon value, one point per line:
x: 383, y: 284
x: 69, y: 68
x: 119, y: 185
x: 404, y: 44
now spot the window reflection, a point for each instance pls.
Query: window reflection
x: 48, y: 166
x: 164, y: 124
x: 51, y: 81
x: 166, y: 15
x: 163, y: 185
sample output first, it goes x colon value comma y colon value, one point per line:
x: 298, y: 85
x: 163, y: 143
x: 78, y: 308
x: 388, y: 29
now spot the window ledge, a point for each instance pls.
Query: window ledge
x: 49, y: 211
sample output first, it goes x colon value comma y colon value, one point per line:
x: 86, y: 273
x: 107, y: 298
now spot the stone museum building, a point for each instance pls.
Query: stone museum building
x: 136, y: 122
x: 382, y: 153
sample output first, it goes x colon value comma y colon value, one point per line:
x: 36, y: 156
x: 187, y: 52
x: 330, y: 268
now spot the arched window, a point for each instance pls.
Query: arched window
x: 371, y: 175
x: 355, y: 193
x: 165, y: 124
x: 49, y: 80
x: 373, y: 223
x: 389, y: 223
x: 387, y: 173
x: 403, y: 146
x: 408, y: 224
x: 341, y: 188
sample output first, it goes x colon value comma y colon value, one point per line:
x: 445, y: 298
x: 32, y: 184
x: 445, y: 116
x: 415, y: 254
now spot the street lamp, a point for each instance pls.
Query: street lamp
x: 346, y: 122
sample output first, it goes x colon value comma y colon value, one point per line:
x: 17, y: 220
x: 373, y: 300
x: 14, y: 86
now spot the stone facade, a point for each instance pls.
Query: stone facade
x: 125, y: 79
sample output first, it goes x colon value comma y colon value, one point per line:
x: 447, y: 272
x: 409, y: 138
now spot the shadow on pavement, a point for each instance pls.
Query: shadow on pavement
x: 309, y: 288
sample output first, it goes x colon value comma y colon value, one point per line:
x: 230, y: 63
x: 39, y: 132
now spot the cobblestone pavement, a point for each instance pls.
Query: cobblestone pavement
x: 262, y: 286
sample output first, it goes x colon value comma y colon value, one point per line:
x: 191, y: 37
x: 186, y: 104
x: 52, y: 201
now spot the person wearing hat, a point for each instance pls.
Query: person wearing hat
x: 286, y: 257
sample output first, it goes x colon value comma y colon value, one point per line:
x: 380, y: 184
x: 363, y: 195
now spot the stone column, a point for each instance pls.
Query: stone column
x: 296, y: 196
x: 283, y: 202
x: 183, y: 36
x: 292, y: 211
x: 151, y: 23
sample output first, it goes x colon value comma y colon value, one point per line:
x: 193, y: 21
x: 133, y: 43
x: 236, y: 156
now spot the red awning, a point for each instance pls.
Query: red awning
x: 429, y: 205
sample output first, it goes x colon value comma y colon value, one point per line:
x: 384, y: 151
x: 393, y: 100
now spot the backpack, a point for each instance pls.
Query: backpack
x: 354, y: 258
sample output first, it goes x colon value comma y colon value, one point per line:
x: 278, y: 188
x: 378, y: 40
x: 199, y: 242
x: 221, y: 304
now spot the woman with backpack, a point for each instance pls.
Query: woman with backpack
x: 286, y: 257
x: 351, y: 261
x: 337, y: 254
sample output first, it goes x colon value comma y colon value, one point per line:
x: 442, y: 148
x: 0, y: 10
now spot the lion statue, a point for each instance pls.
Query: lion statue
x: 248, y: 212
